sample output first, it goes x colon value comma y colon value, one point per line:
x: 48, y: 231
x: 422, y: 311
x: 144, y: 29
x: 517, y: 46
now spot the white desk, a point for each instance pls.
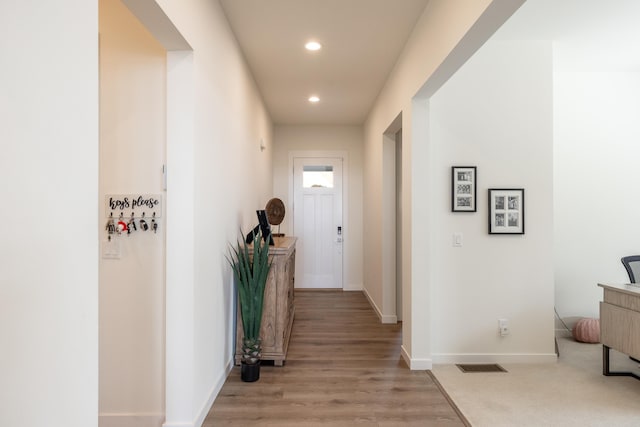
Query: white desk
x: 620, y: 324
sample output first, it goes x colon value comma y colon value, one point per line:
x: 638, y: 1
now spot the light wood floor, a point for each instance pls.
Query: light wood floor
x: 343, y: 368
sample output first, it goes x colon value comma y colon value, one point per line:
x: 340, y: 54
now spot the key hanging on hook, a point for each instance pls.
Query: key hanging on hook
x: 131, y: 225
x: 122, y: 226
x: 143, y: 223
x: 111, y: 225
x: 154, y: 224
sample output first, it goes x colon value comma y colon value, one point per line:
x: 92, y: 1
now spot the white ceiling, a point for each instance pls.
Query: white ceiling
x: 588, y: 35
x: 361, y: 40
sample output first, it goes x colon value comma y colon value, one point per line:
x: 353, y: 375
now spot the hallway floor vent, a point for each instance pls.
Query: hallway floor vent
x: 491, y: 367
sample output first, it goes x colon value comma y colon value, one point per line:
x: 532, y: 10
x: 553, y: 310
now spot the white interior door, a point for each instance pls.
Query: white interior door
x: 317, y: 221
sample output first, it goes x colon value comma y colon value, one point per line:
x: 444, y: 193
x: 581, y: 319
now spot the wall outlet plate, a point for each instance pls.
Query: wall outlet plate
x: 503, y: 327
x: 111, y: 248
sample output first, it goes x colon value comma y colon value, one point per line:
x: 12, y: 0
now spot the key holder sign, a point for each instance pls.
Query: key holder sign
x: 133, y: 205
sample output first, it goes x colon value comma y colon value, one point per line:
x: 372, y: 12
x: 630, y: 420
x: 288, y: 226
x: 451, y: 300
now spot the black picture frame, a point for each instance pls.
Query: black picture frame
x: 506, y: 211
x: 464, y: 188
x: 263, y: 226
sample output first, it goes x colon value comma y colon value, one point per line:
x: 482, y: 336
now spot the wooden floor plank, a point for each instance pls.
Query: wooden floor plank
x: 343, y: 368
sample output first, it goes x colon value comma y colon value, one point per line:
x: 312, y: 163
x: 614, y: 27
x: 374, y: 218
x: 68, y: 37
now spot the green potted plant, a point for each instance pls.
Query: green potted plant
x: 250, y: 271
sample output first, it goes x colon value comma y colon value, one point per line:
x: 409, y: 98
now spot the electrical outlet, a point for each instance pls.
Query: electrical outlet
x: 503, y: 327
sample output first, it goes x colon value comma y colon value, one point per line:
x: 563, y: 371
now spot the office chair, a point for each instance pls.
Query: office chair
x: 632, y: 265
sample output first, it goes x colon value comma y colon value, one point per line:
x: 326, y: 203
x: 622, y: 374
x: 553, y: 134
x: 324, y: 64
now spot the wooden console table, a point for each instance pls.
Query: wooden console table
x: 620, y: 324
x: 278, y: 308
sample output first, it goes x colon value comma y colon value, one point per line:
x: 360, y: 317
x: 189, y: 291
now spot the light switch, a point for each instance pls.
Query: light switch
x: 111, y: 248
x: 457, y: 240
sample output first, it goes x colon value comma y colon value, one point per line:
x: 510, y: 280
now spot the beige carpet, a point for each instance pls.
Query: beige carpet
x: 571, y: 392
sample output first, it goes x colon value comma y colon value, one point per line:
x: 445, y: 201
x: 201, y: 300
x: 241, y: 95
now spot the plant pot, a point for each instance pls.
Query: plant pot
x: 250, y: 373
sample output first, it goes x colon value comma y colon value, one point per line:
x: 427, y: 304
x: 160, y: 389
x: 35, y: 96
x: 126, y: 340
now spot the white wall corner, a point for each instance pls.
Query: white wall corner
x: 384, y: 318
x: 373, y: 304
x: 349, y: 287
x: 206, y: 407
x: 415, y: 364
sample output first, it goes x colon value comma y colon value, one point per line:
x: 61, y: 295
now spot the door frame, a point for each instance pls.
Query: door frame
x: 310, y: 154
x: 391, y: 265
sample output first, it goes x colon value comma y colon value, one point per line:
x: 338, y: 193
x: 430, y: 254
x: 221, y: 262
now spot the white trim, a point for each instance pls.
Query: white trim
x: 206, y: 407
x: 451, y: 358
x: 419, y: 278
x: 389, y: 221
x: 389, y: 319
x: 344, y: 155
x: 130, y: 419
x: 372, y: 303
x: 415, y: 364
x: 180, y: 238
x: 405, y: 355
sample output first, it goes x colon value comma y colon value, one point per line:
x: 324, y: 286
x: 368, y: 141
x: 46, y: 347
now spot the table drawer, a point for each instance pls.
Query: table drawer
x: 620, y: 329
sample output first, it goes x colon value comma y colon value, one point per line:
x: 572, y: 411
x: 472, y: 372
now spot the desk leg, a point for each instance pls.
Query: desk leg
x: 606, y: 351
x: 606, y: 367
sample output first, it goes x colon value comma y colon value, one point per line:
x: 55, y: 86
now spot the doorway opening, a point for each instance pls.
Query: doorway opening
x: 132, y: 85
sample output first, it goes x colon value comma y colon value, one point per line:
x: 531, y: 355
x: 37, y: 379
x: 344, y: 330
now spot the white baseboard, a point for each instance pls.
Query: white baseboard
x: 206, y: 407
x: 384, y: 318
x: 415, y: 364
x: 389, y: 319
x: 452, y: 358
x: 130, y: 420
x: 372, y: 303
x: 353, y: 287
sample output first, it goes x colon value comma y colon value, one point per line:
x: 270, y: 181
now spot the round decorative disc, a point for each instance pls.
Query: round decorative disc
x: 275, y: 211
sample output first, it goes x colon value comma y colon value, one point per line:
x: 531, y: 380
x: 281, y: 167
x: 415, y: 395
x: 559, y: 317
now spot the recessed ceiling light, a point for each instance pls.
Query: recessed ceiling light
x: 313, y: 46
x: 314, y: 99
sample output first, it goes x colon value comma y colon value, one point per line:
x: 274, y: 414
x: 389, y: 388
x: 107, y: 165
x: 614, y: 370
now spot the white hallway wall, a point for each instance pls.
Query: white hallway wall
x: 325, y: 138
x: 49, y: 249
x: 229, y: 121
x: 596, y: 89
x: 133, y: 84
x: 445, y: 36
x: 595, y: 96
x: 594, y: 132
x: 495, y: 113
x: 596, y: 152
x: 51, y: 105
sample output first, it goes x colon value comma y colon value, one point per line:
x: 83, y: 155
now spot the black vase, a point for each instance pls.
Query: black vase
x: 250, y: 373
